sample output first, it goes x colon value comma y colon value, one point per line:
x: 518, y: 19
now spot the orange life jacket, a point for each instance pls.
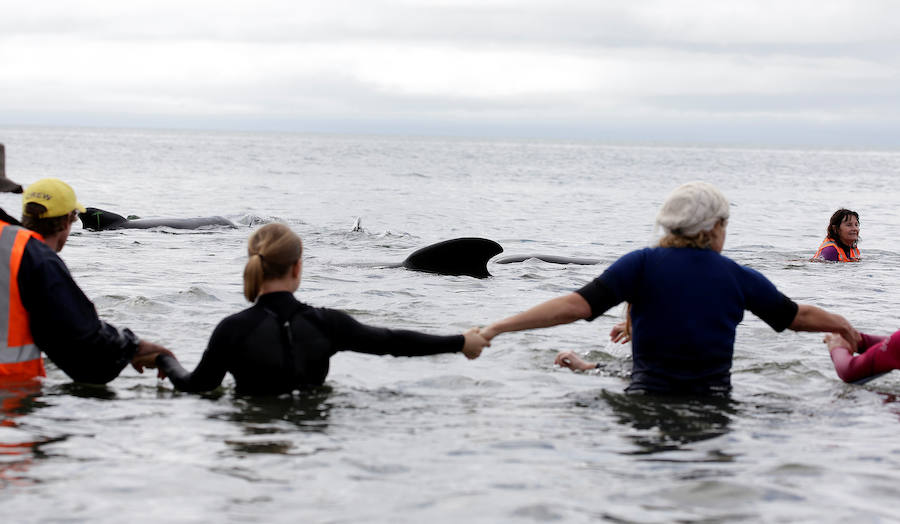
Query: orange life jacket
x: 842, y: 256
x: 20, y: 358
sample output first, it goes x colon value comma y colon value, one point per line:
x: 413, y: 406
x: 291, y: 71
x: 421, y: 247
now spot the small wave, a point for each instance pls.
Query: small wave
x: 378, y: 469
x: 195, y: 294
x: 455, y: 382
x: 357, y: 231
x: 255, y: 220
x: 393, y: 234
x: 535, y: 512
x: 523, y: 444
x: 413, y: 174
x: 138, y: 302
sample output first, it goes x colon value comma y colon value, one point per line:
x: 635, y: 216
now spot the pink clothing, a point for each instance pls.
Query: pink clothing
x: 881, y: 354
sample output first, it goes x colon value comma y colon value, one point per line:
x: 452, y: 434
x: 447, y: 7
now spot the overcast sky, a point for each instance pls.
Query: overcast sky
x: 754, y: 71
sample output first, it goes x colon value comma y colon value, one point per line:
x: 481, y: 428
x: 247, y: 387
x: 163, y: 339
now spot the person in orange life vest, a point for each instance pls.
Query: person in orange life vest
x: 841, y: 238
x: 42, y: 309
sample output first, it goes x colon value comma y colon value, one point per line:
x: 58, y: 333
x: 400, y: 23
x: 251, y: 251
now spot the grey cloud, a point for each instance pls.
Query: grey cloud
x: 580, y: 23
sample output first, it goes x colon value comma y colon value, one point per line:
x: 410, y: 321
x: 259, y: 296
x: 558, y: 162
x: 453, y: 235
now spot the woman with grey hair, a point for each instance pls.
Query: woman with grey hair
x: 686, y: 301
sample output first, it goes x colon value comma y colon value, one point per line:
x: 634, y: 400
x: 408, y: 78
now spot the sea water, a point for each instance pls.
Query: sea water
x: 505, y: 438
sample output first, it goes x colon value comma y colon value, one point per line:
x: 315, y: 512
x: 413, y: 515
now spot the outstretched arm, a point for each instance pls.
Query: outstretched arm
x: 208, y: 374
x: 349, y: 334
x: 561, y: 310
x: 64, y: 322
x: 211, y: 369
x: 812, y: 318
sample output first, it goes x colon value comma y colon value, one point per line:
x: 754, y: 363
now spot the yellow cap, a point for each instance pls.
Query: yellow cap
x: 54, y: 194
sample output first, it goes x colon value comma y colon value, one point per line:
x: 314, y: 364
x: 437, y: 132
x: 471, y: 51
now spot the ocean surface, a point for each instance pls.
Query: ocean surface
x: 505, y: 438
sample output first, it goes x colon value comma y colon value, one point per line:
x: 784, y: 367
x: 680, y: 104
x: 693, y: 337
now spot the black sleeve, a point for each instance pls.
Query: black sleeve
x: 782, y: 315
x: 765, y: 301
x: 350, y: 334
x: 599, y: 296
x: 210, y: 370
x: 64, y: 323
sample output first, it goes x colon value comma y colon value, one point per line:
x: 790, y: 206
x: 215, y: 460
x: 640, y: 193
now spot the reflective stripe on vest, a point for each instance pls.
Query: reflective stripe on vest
x: 842, y: 256
x: 19, y: 356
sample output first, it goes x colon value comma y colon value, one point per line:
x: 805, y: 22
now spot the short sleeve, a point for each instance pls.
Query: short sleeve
x: 765, y: 301
x: 614, y: 285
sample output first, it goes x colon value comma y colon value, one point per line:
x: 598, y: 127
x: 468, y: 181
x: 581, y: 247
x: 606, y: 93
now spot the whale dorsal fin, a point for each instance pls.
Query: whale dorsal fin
x: 458, y: 256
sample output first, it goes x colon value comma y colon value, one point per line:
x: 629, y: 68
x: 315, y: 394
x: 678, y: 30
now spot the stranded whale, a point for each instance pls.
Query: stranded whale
x: 459, y: 256
x: 469, y: 256
x: 466, y: 256
x: 97, y: 219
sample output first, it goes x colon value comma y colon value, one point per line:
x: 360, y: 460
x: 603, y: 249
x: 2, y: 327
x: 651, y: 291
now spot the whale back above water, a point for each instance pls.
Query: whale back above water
x: 97, y: 219
x: 466, y: 256
x: 553, y: 259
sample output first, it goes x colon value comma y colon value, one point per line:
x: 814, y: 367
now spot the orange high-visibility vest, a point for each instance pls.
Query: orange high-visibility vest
x: 842, y: 257
x: 20, y: 358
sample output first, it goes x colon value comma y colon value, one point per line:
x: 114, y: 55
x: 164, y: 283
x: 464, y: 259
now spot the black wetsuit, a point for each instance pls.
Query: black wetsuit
x: 64, y: 323
x: 281, y: 344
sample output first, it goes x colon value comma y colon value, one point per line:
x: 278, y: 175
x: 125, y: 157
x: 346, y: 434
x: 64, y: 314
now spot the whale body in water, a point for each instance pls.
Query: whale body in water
x: 466, y: 256
x: 469, y: 256
x: 97, y: 219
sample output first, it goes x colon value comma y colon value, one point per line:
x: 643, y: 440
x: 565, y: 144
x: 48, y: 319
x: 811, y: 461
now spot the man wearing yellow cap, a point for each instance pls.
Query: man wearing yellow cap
x: 41, y: 306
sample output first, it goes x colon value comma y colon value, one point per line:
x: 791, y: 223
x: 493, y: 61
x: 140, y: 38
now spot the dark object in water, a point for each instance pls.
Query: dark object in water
x: 458, y: 256
x: 97, y: 219
x: 6, y: 185
x: 470, y: 255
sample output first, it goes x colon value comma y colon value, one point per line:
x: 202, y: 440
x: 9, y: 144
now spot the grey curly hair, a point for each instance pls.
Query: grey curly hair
x: 689, y: 213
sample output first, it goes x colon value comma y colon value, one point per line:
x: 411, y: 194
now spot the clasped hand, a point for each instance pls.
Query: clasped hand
x: 474, y: 343
x: 146, y: 357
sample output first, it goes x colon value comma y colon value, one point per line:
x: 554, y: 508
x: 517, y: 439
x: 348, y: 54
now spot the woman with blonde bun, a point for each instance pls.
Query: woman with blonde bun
x: 686, y: 301
x: 280, y: 344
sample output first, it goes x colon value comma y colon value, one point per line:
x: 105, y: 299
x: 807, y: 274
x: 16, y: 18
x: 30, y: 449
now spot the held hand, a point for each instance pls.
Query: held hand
x: 146, y: 356
x: 475, y: 342
x: 568, y: 359
x: 834, y: 341
x: 619, y: 333
x: 850, y: 335
x: 488, y: 333
x: 147, y: 360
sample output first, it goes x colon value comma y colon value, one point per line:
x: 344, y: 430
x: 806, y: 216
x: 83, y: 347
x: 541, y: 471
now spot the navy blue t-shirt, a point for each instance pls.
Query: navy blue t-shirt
x: 686, y: 305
